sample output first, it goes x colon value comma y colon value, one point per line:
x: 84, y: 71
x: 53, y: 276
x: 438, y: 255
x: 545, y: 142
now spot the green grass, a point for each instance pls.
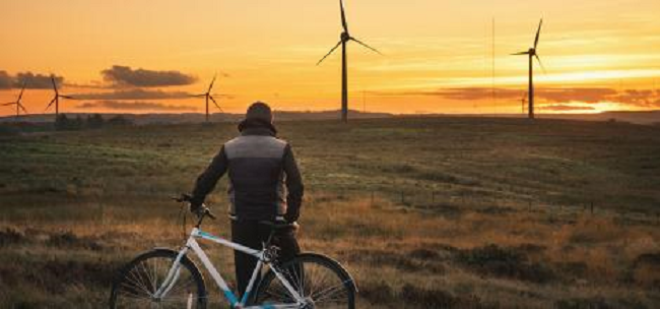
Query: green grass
x: 426, y: 212
x: 552, y: 162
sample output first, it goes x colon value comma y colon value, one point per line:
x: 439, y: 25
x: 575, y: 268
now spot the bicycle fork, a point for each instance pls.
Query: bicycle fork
x: 172, y: 276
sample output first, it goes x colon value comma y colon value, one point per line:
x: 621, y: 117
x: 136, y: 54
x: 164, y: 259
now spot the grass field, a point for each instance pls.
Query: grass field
x: 425, y: 212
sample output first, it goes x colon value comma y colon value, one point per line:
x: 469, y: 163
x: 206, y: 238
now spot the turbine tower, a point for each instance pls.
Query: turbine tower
x: 532, y: 53
x: 343, y: 40
x: 19, y: 105
x: 208, y: 97
x: 56, y: 98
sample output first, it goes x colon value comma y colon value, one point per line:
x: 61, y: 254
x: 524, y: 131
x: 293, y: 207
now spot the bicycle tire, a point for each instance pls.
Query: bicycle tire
x: 139, y: 278
x: 313, y: 270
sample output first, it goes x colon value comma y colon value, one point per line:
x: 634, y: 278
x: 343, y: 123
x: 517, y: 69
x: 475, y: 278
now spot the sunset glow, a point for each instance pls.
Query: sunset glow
x: 437, y: 54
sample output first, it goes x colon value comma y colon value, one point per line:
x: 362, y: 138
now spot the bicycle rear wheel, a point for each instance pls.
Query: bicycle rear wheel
x: 321, y: 281
x: 138, y: 281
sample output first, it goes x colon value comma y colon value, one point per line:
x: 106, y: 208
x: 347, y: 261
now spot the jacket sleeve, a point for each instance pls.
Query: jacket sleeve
x: 294, y: 186
x: 209, y: 178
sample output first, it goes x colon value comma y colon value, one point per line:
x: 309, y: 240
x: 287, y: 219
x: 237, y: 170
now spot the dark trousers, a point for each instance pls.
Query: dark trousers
x: 253, y: 234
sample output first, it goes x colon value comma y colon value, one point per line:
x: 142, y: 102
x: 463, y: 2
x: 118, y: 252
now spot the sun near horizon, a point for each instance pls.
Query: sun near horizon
x: 438, y: 57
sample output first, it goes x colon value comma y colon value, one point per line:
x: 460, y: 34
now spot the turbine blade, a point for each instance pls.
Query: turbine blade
x: 538, y: 34
x: 22, y: 90
x: 212, y: 82
x: 365, y: 45
x: 216, y: 103
x: 66, y: 97
x: 7, y: 104
x: 52, y: 78
x: 329, y: 53
x: 541, y: 63
x: 520, y: 53
x: 50, y: 104
x: 23, y: 108
x: 343, y: 16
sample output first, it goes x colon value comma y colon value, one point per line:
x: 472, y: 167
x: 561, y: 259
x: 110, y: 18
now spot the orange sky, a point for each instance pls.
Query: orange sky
x: 599, y: 55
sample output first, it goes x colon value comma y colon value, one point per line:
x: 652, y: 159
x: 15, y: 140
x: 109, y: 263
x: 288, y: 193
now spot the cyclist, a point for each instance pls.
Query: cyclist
x: 264, y: 185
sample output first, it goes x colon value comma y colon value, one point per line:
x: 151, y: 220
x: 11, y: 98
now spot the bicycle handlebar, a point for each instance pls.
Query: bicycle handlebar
x: 205, y: 211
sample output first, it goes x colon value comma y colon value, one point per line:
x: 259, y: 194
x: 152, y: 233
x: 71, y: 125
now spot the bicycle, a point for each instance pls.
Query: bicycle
x: 166, y: 278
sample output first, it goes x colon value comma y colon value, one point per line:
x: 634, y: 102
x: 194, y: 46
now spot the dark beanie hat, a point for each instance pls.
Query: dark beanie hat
x: 259, y: 111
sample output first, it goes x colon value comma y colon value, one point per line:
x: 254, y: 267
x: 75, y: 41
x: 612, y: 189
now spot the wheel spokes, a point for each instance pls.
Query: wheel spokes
x: 316, y: 283
x: 141, y: 282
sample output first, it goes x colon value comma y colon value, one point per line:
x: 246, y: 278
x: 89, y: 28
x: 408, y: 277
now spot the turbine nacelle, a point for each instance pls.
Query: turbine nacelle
x: 345, y: 37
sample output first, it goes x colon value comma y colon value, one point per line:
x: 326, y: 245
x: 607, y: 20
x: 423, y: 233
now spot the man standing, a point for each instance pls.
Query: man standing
x: 265, y: 185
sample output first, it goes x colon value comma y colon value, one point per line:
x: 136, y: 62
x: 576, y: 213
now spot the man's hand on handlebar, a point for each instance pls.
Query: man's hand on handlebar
x: 199, y: 209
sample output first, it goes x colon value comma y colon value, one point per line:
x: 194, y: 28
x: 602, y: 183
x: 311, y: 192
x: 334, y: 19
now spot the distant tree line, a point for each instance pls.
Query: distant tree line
x: 96, y: 121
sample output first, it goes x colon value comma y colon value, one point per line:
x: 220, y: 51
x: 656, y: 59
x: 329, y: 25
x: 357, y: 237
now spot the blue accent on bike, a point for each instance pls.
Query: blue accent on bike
x: 245, y: 296
x: 231, y: 297
x: 207, y: 235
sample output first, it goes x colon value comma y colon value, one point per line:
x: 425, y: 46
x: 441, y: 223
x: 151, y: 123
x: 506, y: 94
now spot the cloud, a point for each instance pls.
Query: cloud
x: 37, y: 81
x: 566, y: 107
x: 586, y: 95
x: 470, y: 93
x: 32, y: 80
x: 133, y: 94
x: 136, y: 106
x: 125, y: 76
x: 90, y: 85
x: 639, y: 98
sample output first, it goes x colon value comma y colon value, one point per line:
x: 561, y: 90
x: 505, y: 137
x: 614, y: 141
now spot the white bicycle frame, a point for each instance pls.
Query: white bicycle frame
x: 192, y: 244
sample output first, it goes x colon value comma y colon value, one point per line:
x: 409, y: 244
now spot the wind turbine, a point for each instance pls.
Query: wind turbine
x: 56, y: 98
x: 523, y: 100
x: 208, y: 97
x: 343, y: 40
x: 19, y: 105
x: 532, y: 53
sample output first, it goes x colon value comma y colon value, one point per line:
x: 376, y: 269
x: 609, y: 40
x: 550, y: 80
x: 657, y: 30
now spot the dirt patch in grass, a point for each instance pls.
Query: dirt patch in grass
x: 424, y: 254
x: 646, y: 270
x: 433, y: 298
x: 598, y: 303
x: 75, y: 272
x: 576, y: 269
x: 68, y: 239
x: 403, y: 262
x: 582, y: 303
x: 11, y: 236
x: 512, y: 263
x: 410, y: 296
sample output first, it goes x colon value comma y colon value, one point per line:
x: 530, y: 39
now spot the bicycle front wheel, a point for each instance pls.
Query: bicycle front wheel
x: 137, y: 283
x: 321, y: 281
